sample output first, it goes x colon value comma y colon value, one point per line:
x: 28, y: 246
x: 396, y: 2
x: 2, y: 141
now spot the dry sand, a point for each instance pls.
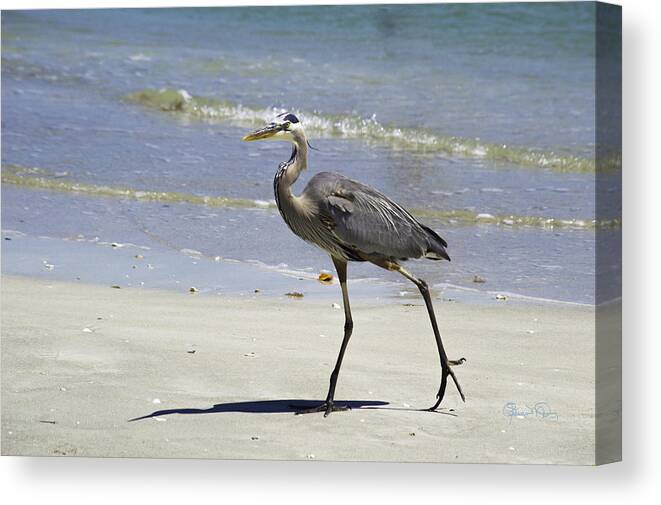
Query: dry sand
x: 79, y: 361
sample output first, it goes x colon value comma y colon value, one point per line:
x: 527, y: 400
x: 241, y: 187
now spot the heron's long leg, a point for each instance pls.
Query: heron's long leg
x: 445, y: 363
x: 328, y: 406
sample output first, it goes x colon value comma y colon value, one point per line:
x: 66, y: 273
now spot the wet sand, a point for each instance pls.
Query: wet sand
x: 215, y: 376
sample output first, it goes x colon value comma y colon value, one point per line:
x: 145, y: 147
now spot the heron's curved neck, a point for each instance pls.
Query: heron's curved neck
x: 289, y: 171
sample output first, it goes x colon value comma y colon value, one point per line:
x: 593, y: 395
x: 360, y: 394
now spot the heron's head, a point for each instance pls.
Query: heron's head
x: 285, y: 126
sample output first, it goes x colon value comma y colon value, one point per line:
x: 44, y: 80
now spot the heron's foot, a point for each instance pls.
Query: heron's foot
x: 445, y: 373
x: 327, y: 407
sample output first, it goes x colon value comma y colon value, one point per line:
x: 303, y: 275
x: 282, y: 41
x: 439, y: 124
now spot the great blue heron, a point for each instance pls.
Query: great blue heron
x: 352, y: 222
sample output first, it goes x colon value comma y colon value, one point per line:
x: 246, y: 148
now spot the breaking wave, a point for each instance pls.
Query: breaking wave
x: 355, y: 127
x: 37, y: 178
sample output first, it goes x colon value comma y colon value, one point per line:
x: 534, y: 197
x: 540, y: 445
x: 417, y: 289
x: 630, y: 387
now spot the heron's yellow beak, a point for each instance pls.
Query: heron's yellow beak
x: 263, y: 133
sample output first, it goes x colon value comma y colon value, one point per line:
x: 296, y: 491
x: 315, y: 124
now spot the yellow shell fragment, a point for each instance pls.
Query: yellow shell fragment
x: 325, y: 277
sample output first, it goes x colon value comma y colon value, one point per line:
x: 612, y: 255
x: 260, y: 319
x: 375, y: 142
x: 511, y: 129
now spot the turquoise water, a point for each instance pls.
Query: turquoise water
x: 453, y: 110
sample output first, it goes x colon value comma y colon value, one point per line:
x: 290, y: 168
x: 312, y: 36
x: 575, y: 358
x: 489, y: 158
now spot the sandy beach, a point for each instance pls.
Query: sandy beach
x: 215, y: 377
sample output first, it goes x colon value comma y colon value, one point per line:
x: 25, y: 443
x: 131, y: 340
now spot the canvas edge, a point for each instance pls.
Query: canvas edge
x: 608, y: 243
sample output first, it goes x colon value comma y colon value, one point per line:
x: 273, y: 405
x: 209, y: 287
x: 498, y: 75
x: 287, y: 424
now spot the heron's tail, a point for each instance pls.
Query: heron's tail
x: 437, y: 245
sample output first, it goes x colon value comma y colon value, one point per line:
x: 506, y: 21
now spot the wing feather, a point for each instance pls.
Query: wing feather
x: 367, y: 221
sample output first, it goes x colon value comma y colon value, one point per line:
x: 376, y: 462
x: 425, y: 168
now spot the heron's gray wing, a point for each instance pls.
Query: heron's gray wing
x: 366, y: 220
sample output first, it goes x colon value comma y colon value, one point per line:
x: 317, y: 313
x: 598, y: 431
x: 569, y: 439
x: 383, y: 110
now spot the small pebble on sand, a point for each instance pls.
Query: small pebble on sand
x: 294, y: 294
x: 478, y: 279
x: 336, y: 306
x: 193, y: 289
x: 501, y: 297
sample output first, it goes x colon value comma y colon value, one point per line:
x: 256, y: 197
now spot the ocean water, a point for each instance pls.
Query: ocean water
x: 126, y: 125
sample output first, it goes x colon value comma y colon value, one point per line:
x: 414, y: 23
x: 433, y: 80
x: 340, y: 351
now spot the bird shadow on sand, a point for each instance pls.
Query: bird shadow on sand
x: 277, y: 407
x: 262, y: 407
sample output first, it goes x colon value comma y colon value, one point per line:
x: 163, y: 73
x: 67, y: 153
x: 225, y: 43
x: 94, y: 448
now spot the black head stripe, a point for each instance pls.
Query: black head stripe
x: 291, y: 118
x: 288, y: 116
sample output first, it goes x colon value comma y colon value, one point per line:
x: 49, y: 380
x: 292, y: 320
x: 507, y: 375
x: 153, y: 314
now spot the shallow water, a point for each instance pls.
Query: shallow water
x: 459, y: 112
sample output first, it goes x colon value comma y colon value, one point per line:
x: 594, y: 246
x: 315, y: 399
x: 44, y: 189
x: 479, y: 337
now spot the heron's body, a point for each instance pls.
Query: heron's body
x: 352, y: 222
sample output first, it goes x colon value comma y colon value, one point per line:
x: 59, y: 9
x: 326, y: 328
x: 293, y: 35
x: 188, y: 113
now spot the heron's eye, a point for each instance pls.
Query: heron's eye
x: 286, y: 125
